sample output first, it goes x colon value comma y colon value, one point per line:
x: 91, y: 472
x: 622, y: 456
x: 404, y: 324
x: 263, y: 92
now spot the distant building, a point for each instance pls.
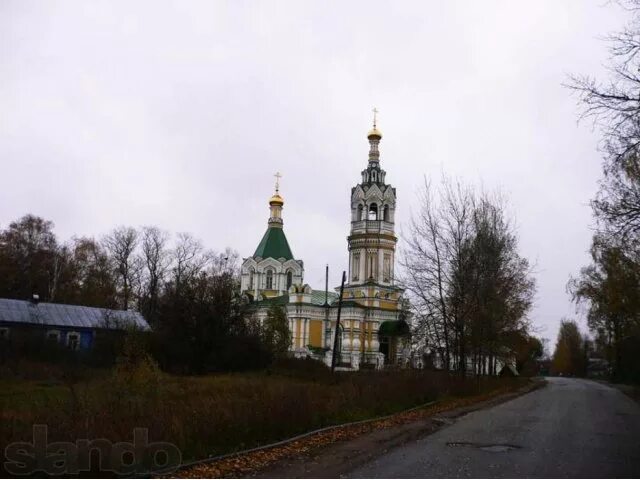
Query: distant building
x: 372, y: 331
x: 72, y: 326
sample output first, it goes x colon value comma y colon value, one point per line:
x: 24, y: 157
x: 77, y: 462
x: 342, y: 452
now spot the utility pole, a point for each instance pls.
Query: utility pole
x: 326, y: 286
x: 335, y: 341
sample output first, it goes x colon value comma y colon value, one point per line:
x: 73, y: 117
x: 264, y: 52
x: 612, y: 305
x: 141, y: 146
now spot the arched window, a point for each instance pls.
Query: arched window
x: 385, y: 216
x: 269, y: 285
x: 251, y: 273
x: 359, y: 217
x: 373, y: 211
x: 289, y: 279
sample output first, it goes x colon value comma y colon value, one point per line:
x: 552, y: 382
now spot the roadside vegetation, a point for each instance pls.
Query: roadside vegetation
x: 212, y: 414
x: 609, y: 287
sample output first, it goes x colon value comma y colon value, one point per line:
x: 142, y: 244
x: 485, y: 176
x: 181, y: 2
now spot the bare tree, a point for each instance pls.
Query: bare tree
x: 121, y: 244
x: 189, y: 259
x: 156, y: 260
x: 468, y: 286
x: 432, y: 248
x: 614, y: 106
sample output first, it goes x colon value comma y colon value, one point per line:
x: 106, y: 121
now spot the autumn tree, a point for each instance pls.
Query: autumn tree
x: 275, y: 331
x: 610, y: 288
x: 29, y: 260
x: 569, y: 354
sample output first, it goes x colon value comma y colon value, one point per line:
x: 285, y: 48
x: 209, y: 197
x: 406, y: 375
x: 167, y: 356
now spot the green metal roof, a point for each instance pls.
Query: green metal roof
x: 317, y: 297
x: 274, y: 244
x: 282, y: 300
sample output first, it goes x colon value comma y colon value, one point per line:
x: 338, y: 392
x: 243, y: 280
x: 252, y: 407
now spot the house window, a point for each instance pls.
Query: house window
x: 269, y: 279
x: 53, y: 335
x: 4, y: 333
x: 73, y: 340
x: 373, y: 211
x: 289, y: 279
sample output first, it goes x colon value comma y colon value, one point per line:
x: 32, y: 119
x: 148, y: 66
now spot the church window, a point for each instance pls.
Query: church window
x: 372, y: 265
x: 355, y: 268
x: 359, y: 217
x: 251, y: 273
x: 373, y: 211
x: 289, y: 279
x: 387, y: 267
x: 269, y: 282
x: 373, y: 176
x: 385, y: 216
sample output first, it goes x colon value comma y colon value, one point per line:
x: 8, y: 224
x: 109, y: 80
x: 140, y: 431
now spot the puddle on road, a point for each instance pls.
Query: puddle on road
x: 497, y: 448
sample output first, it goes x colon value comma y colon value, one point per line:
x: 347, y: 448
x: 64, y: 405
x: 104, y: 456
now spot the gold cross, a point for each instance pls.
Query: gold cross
x: 375, y: 114
x: 278, y: 177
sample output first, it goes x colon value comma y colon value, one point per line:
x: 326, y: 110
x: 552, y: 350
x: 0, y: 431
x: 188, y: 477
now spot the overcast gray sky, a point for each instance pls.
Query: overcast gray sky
x: 178, y: 114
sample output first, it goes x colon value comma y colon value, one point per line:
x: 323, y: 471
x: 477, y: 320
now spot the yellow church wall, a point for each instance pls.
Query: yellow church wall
x: 315, y: 333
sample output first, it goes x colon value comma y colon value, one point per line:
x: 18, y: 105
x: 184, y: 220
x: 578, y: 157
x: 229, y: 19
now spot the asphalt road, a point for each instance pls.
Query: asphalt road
x: 570, y: 428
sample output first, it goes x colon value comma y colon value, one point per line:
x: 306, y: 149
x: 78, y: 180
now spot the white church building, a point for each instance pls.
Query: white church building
x: 372, y: 330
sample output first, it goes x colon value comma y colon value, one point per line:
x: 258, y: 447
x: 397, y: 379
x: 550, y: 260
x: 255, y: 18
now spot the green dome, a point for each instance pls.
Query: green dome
x: 274, y: 244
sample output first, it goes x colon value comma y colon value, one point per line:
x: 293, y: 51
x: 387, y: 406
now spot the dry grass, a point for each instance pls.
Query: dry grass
x: 216, y: 414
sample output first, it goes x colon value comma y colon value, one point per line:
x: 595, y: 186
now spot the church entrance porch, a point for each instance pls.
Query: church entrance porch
x: 393, y: 338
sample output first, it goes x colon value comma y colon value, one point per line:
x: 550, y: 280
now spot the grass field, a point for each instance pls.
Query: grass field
x: 214, y: 414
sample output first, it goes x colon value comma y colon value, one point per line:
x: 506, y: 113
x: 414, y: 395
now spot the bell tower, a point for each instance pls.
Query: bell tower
x: 372, y: 240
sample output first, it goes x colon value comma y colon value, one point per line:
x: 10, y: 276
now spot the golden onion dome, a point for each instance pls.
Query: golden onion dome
x: 276, y: 199
x: 374, y: 132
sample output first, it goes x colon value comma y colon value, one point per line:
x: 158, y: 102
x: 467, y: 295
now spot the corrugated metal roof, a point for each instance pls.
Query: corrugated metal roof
x: 317, y: 297
x: 57, y: 314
